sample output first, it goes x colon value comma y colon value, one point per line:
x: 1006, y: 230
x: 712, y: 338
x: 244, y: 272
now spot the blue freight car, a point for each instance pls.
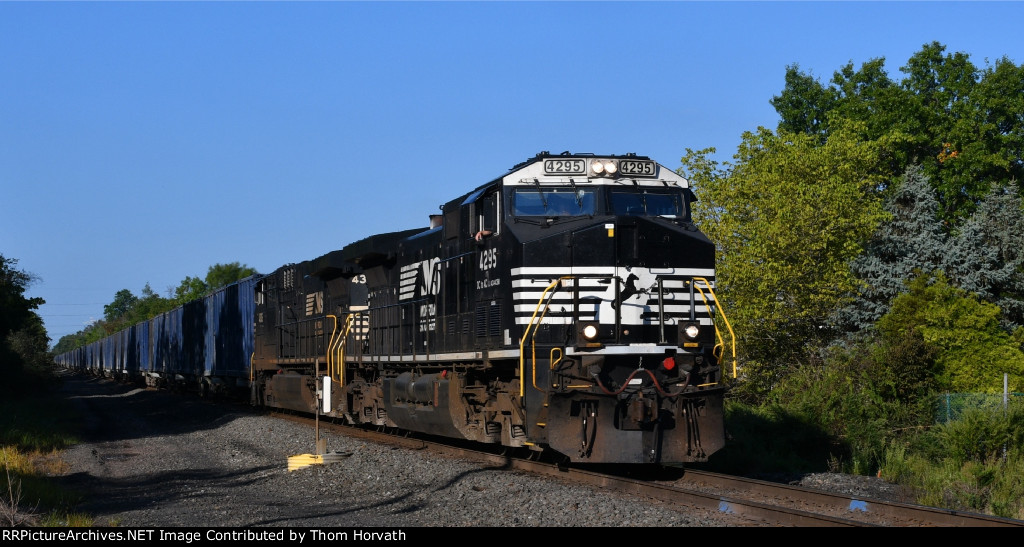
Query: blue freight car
x: 204, y: 345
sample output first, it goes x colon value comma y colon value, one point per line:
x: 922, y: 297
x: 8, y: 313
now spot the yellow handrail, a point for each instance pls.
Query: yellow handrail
x: 330, y: 345
x: 526, y: 333
x: 553, y: 361
x: 339, y: 347
x: 718, y: 334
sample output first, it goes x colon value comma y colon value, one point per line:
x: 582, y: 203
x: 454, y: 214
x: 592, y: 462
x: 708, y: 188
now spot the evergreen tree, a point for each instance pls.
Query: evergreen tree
x: 986, y: 256
x: 911, y: 240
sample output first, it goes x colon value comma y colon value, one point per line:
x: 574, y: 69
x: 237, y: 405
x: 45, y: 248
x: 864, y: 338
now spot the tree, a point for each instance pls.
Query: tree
x: 972, y: 350
x: 963, y: 126
x: 149, y: 305
x: 788, y: 217
x: 986, y: 256
x: 803, y: 104
x: 21, y: 329
x: 191, y: 288
x: 222, y: 275
x: 122, y: 304
x: 911, y: 240
x: 31, y: 343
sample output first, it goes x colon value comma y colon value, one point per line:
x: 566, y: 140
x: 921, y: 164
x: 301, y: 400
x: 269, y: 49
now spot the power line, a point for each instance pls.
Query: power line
x: 85, y: 304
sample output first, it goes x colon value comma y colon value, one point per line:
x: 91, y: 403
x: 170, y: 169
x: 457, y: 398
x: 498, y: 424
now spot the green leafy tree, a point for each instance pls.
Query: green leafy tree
x: 804, y: 104
x: 23, y: 339
x: 217, y: 276
x: 149, y: 305
x: 963, y: 125
x: 222, y: 275
x: 31, y: 343
x: 69, y: 342
x: 191, y: 288
x: 972, y: 350
x: 15, y: 309
x: 122, y: 304
x: 788, y: 218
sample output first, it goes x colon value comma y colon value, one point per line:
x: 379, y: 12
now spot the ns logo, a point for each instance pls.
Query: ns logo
x: 419, y: 279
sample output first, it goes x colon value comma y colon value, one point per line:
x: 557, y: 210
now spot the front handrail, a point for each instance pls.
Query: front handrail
x: 526, y: 333
x: 718, y: 334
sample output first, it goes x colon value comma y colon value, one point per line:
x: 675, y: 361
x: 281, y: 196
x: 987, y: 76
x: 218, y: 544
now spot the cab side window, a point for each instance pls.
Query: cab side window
x: 486, y: 214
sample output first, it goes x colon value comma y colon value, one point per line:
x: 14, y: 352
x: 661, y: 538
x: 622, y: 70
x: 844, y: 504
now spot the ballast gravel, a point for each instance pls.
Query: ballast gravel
x: 156, y: 459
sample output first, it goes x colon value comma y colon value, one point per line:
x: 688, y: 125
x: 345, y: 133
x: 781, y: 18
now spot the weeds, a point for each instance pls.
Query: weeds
x: 33, y: 431
x: 12, y: 513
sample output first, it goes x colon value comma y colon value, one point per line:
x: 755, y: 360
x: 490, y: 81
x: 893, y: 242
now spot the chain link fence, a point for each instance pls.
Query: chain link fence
x: 951, y: 406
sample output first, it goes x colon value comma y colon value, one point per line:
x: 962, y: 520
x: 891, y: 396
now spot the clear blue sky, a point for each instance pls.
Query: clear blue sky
x: 142, y: 142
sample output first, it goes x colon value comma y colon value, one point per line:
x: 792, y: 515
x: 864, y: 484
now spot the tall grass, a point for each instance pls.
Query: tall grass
x: 974, y: 463
x: 33, y: 431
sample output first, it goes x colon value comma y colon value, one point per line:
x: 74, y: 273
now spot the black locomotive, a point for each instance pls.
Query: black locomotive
x: 566, y: 306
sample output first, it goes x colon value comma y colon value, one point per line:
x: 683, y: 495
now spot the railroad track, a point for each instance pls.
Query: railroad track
x: 740, y: 501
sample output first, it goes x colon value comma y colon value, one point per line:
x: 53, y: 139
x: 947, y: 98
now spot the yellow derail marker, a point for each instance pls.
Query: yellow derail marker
x: 305, y: 460
x: 301, y: 461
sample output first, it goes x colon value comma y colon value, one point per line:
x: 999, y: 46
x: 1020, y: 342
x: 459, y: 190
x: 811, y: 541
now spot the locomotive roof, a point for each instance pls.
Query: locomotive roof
x: 545, y: 154
x: 357, y: 256
x: 376, y: 248
x: 662, y: 175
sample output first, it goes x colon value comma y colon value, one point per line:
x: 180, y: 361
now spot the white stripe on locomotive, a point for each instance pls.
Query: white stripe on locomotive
x: 640, y: 308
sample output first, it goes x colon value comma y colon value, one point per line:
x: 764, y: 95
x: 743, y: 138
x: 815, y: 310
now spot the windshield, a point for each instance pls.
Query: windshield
x: 648, y: 203
x: 555, y: 202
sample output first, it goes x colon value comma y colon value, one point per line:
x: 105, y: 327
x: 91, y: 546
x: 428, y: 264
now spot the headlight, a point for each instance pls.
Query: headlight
x: 598, y: 167
x: 691, y: 331
x: 588, y: 334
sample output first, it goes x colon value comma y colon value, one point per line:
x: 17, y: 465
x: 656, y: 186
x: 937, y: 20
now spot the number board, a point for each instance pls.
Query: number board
x: 638, y: 168
x: 567, y: 166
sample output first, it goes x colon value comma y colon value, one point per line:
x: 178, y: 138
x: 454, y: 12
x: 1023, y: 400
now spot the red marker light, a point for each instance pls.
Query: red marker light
x: 669, y: 363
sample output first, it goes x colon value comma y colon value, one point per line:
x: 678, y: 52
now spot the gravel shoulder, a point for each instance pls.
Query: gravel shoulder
x: 156, y: 459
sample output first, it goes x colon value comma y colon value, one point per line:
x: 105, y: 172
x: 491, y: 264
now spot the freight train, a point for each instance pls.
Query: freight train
x: 566, y: 307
